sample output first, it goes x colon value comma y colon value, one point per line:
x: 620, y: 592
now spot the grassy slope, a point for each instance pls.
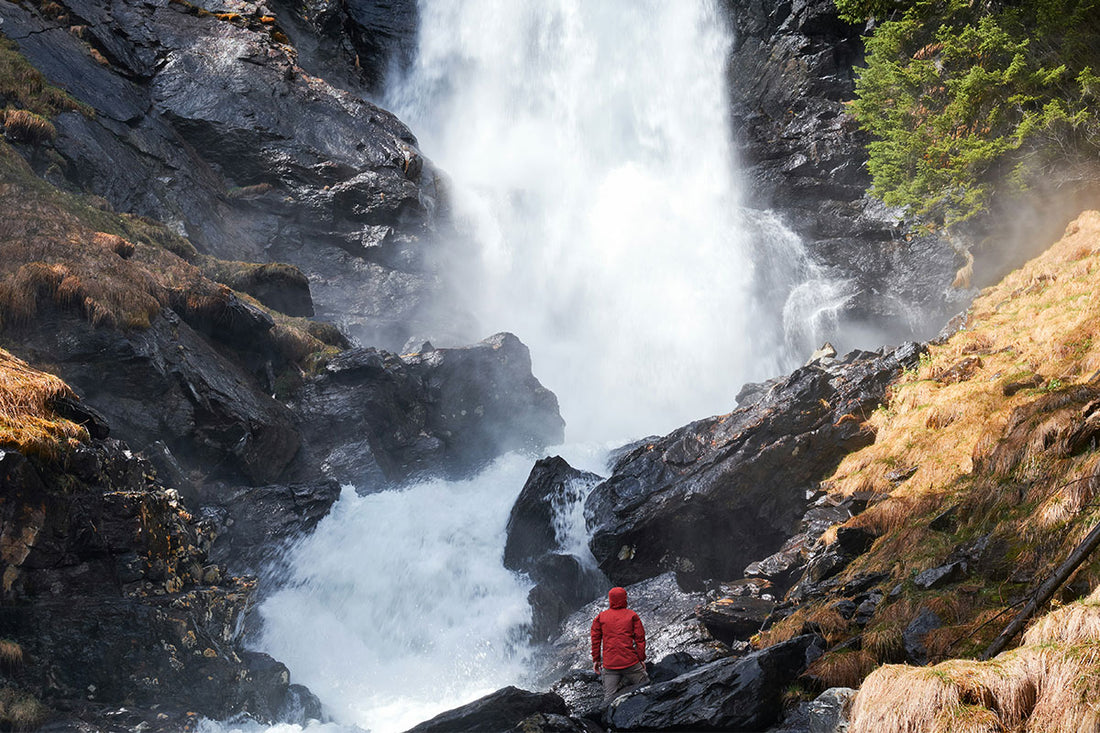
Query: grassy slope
x: 994, y: 434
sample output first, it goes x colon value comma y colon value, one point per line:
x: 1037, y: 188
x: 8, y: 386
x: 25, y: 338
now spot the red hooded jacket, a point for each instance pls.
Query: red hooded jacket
x: 620, y: 632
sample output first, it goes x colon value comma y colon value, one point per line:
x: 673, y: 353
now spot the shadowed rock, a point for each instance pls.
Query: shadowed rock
x: 372, y: 417
x: 499, y: 711
x: 729, y: 694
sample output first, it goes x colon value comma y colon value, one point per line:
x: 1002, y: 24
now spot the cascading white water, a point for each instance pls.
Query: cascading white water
x: 592, y: 161
x: 590, y: 154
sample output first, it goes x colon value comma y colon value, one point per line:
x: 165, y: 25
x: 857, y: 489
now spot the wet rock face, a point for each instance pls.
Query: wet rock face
x: 552, y: 485
x: 790, y: 72
x: 170, y: 384
x: 372, y: 417
x: 109, y: 591
x: 715, y: 495
x: 206, y: 121
x: 255, y: 523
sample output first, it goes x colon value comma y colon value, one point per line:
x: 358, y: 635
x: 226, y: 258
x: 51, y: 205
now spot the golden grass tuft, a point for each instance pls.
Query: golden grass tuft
x: 114, y: 243
x: 845, y: 668
x: 1077, y: 623
x: 20, y: 711
x: 28, y: 127
x: 27, y: 422
x: 1050, y: 684
x: 11, y: 654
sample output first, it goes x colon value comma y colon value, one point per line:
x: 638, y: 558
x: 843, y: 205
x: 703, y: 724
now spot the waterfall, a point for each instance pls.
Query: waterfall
x: 592, y: 163
x: 592, y: 168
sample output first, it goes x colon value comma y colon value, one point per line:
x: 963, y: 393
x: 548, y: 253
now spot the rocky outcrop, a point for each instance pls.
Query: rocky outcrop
x: 205, y: 120
x: 728, y: 694
x: 790, y: 72
x: 713, y: 496
x: 255, y: 523
x: 372, y: 417
x: 563, y: 582
x: 359, y: 43
x: 111, y: 596
x: 169, y: 384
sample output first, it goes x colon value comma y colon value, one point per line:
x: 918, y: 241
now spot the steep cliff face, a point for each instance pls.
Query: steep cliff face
x: 790, y: 74
x: 109, y: 595
x: 203, y: 119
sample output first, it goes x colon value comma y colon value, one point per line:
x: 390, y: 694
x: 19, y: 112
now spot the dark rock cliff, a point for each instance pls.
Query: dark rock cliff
x: 791, y: 71
x: 110, y: 594
x: 205, y: 120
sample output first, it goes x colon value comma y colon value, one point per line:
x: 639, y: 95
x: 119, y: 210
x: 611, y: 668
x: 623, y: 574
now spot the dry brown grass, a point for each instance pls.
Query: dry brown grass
x: 845, y: 668
x: 27, y: 422
x: 11, y: 654
x: 20, y: 711
x: 1077, y: 623
x: 22, y: 87
x: 1050, y: 684
x: 56, y: 251
x: 27, y: 127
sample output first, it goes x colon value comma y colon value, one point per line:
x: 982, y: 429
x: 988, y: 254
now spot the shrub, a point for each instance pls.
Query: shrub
x: 20, y: 711
x: 965, y: 99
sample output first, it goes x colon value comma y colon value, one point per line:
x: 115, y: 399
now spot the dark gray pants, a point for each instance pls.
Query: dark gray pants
x: 621, y: 681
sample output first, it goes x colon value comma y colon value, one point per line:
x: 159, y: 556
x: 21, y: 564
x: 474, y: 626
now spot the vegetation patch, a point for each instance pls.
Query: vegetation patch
x: 29, y: 424
x: 965, y: 98
x: 22, y: 87
x: 1051, y: 683
x: 63, y: 251
x: 20, y: 711
x: 987, y: 453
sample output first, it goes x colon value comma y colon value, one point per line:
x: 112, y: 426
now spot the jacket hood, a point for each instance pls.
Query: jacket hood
x: 617, y: 597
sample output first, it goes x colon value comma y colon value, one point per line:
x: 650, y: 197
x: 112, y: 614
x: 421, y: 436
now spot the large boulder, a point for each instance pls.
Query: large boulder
x: 499, y: 711
x: 728, y: 694
x: 535, y: 545
x: 715, y: 495
x: 371, y: 417
x: 551, y: 488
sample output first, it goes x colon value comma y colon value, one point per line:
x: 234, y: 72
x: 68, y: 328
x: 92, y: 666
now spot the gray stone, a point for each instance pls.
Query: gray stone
x: 940, y: 576
x: 829, y: 711
x: 913, y: 636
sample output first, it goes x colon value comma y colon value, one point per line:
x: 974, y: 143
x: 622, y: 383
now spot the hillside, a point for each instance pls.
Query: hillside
x: 983, y: 477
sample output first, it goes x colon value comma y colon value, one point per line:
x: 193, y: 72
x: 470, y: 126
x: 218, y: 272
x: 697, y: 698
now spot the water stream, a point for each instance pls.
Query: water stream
x: 591, y: 161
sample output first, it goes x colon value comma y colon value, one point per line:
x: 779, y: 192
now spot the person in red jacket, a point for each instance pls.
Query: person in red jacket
x: 618, y: 641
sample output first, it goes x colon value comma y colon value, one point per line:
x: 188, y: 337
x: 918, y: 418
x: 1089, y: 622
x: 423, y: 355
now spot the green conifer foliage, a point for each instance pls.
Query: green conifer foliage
x: 964, y: 98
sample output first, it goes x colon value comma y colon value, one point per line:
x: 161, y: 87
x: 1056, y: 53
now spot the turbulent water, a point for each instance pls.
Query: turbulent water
x: 592, y: 168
